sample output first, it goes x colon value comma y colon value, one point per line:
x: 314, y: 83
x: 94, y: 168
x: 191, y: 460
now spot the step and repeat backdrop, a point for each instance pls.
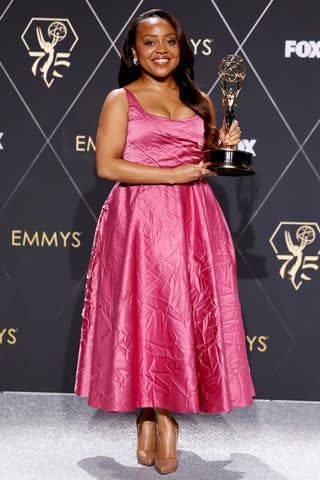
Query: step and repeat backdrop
x: 58, y: 62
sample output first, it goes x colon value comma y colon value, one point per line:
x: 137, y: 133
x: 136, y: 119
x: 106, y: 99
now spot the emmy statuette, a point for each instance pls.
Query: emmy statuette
x: 229, y: 160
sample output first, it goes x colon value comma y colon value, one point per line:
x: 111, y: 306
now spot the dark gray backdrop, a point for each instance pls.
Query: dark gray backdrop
x: 51, y: 198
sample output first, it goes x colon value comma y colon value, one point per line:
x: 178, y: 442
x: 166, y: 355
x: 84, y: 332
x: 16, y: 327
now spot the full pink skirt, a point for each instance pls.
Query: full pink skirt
x: 161, y: 323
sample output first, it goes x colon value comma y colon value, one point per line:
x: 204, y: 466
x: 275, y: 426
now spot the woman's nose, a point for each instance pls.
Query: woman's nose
x: 161, y: 48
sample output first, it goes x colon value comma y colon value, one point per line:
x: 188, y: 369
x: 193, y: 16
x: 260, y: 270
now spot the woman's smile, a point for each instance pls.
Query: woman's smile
x: 161, y: 61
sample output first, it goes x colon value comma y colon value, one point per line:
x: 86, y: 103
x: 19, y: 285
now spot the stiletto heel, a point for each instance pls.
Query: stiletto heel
x: 165, y: 465
x: 146, y: 432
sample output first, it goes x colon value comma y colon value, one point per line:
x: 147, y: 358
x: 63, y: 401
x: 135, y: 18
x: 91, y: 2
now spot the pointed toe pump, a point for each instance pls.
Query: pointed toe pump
x: 146, y: 432
x: 166, y: 462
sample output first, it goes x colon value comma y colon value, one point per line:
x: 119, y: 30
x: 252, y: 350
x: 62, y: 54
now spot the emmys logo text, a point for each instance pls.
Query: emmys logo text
x: 8, y: 336
x: 85, y: 143
x: 257, y: 343
x: 23, y: 238
x: 201, y: 46
x: 50, y: 42
x: 297, y: 247
x: 303, y: 49
x: 247, y: 145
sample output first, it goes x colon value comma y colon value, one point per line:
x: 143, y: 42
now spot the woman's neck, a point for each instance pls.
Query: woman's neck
x: 157, y: 84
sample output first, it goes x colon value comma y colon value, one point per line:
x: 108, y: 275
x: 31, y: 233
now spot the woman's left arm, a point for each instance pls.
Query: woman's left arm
x: 226, y: 138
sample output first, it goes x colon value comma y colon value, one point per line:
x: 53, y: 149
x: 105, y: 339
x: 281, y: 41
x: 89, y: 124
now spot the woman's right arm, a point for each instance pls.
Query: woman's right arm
x: 110, y: 142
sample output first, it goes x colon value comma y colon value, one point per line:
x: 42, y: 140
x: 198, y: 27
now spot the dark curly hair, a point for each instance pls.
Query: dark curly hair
x: 183, y: 74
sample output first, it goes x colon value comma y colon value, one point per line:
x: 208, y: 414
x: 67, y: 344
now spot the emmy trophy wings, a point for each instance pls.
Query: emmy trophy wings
x: 46, y: 46
x: 291, y: 247
x: 232, y: 68
x: 43, y: 44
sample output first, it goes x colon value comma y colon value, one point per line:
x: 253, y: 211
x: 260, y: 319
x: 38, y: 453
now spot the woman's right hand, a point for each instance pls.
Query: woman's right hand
x: 189, y: 172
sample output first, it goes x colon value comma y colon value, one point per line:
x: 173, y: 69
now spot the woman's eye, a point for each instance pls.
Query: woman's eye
x: 149, y: 42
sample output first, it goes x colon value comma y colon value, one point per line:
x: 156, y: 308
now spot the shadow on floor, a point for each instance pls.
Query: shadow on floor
x: 190, y: 466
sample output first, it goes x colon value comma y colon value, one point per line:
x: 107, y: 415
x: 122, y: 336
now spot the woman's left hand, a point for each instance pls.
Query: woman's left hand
x: 232, y: 137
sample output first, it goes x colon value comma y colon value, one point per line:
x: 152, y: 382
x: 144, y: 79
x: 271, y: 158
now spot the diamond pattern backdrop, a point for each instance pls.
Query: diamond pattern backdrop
x: 51, y: 198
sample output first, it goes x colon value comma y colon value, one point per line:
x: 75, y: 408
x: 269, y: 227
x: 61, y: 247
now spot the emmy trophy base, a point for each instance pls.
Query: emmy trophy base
x: 232, y: 163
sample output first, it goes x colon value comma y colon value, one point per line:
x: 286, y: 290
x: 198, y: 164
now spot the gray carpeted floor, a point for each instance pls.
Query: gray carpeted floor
x: 58, y: 437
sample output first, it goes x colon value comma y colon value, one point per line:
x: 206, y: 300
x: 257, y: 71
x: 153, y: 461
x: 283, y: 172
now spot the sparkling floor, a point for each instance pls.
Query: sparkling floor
x: 59, y: 437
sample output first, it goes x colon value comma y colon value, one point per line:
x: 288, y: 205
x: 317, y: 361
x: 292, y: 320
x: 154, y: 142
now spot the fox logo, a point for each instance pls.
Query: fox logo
x: 303, y: 49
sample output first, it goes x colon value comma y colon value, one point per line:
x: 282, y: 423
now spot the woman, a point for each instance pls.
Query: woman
x: 162, y: 326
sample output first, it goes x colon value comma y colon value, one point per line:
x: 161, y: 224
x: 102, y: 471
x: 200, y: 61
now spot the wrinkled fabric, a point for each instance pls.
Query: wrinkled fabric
x: 161, y: 322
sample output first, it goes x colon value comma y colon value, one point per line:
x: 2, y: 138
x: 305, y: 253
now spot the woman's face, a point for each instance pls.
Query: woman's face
x: 155, y: 40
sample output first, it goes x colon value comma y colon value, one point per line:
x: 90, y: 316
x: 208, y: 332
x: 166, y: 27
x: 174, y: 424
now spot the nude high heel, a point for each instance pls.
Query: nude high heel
x: 146, y: 432
x: 167, y: 464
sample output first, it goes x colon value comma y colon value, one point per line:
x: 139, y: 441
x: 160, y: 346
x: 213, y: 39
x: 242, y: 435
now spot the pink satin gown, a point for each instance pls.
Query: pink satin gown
x: 161, y: 322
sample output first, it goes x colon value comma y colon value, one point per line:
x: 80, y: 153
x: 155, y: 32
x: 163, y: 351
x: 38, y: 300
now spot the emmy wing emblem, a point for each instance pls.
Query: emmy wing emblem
x: 231, y: 161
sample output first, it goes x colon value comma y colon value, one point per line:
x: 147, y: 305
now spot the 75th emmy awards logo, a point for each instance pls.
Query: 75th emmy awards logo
x: 50, y: 41
x: 297, y: 246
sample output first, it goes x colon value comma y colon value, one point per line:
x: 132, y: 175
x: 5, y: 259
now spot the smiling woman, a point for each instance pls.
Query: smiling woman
x: 162, y: 327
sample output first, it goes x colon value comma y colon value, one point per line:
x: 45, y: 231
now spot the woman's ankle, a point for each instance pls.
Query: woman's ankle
x: 162, y: 411
x: 163, y: 416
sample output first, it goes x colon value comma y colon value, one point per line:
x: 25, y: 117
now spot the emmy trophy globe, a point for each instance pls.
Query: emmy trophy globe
x: 229, y: 160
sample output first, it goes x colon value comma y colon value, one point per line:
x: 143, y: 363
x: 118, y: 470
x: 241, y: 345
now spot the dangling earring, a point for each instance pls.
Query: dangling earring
x: 135, y: 61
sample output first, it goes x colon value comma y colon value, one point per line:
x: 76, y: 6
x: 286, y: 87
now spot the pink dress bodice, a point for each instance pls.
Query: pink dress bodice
x: 159, y: 141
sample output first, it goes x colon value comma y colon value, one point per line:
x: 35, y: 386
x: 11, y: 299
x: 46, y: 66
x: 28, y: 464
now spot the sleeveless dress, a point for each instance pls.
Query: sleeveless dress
x: 161, y: 322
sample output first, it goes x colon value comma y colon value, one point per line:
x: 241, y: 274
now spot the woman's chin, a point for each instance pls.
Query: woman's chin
x: 160, y: 72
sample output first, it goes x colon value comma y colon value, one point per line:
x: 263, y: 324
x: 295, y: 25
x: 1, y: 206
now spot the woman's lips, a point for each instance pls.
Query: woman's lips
x: 161, y: 61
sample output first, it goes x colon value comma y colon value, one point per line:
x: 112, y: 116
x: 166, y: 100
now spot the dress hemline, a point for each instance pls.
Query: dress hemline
x: 229, y: 409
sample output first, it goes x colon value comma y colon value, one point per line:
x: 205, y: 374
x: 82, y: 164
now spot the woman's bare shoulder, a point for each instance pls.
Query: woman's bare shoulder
x: 115, y: 96
x: 115, y: 103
